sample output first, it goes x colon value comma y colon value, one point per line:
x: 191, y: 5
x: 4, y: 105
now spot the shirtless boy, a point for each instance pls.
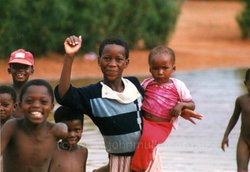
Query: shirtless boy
x: 27, y: 144
x: 242, y: 106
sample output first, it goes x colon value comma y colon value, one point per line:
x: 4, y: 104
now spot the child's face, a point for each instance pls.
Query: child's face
x: 161, y: 67
x: 7, y: 106
x: 75, y: 129
x: 20, y: 72
x: 112, y: 62
x: 36, y: 104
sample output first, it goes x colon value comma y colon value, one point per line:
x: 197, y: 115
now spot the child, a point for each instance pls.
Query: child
x: 27, y: 144
x: 164, y: 100
x: 21, y: 66
x: 242, y: 106
x: 7, y: 103
x: 113, y: 104
x: 69, y: 156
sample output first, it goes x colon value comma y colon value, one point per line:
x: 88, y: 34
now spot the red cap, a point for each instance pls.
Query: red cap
x: 22, y: 56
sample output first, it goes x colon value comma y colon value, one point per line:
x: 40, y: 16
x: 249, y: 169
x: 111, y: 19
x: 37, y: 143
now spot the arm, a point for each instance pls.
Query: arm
x: 72, y: 45
x: 231, y: 124
x: 6, y: 133
x: 60, y: 130
x: 176, y: 111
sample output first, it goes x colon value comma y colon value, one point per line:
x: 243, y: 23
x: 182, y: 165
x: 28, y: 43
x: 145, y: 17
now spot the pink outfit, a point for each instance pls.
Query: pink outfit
x: 158, y: 101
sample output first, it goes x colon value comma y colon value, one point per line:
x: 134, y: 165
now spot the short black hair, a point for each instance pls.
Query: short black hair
x: 37, y: 82
x: 64, y: 113
x: 247, y: 77
x: 8, y: 90
x: 116, y: 41
x: 161, y: 49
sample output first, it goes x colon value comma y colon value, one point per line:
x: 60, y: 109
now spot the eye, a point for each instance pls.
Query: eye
x: 120, y: 60
x: 78, y: 130
x: 5, y: 104
x: 28, y: 101
x: 44, y: 102
x: 106, y: 58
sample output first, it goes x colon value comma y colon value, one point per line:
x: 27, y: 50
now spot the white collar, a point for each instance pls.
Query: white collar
x: 128, y: 95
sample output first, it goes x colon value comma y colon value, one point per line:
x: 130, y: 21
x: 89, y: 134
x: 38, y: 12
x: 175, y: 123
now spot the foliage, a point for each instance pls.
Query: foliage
x: 243, y: 20
x: 41, y: 26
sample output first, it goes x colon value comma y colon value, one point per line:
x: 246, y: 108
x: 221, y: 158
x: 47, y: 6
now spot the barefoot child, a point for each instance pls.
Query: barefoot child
x: 21, y: 66
x: 27, y: 144
x: 242, y: 106
x: 7, y: 103
x: 69, y: 155
x: 164, y: 100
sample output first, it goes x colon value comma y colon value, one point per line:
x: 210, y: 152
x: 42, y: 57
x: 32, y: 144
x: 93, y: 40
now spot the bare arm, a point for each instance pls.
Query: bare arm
x: 231, y: 124
x: 176, y: 111
x: 6, y: 133
x: 72, y: 45
x: 60, y: 130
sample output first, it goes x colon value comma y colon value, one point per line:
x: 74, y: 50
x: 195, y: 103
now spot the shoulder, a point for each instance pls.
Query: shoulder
x: 60, y: 130
x: 11, y: 124
x: 136, y: 82
x: 83, y: 149
x: 178, y: 81
x: 243, y: 98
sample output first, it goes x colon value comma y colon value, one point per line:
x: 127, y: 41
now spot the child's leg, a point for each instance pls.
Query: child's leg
x: 153, y: 134
x: 104, y: 168
x: 242, y: 155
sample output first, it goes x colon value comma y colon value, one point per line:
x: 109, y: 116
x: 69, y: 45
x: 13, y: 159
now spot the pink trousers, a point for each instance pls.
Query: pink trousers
x: 153, y: 133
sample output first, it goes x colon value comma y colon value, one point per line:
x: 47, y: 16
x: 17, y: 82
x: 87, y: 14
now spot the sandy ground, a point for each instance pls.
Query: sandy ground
x: 206, y: 37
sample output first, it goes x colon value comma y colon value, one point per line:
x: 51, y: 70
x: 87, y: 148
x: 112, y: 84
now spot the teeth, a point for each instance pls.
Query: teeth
x: 37, y: 114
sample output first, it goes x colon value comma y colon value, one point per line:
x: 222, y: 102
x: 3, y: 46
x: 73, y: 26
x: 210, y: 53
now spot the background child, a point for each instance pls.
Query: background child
x: 7, y: 103
x: 21, y: 66
x: 28, y: 143
x: 242, y: 106
x: 164, y: 100
x: 69, y: 156
x: 113, y: 104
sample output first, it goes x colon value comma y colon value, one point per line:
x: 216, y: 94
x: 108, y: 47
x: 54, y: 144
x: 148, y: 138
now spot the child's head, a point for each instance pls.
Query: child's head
x: 113, y: 58
x: 247, y: 79
x: 7, y: 102
x: 74, y: 120
x: 36, y: 100
x: 161, y: 61
x: 116, y: 41
x: 21, y: 65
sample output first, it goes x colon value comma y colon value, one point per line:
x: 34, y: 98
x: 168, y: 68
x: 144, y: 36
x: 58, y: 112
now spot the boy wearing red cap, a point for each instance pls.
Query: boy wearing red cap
x: 21, y: 66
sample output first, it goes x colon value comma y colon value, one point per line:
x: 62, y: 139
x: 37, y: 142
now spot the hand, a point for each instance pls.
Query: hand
x: 224, y: 142
x: 72, y: 45
x: 189, y: 114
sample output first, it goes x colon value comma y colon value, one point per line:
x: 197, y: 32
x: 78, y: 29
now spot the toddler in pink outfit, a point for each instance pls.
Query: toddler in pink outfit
x: 164, y: 100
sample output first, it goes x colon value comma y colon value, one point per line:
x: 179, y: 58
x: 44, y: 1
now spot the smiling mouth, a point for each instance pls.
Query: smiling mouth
x: 37, y: 114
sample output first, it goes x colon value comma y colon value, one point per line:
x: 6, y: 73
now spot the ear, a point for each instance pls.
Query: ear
x: 52, y: 106
x: 174, y: 68
x: 127, y: 62
x: 32, y: 70
x: 15, y: 106
x: 9, y: 70
x: 99, y: 61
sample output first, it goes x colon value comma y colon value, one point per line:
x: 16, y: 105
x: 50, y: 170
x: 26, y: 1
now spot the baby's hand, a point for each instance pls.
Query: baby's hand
x: 72, y: 45
x: 189, y: 114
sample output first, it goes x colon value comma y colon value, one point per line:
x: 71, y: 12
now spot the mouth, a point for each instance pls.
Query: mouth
x: 20, y: 75
x: 37, y: 115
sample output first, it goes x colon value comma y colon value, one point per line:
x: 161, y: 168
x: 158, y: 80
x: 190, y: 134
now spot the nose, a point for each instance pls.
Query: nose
x: 160, y: 71
x: 36, y: 104
x: 112, y: 62
x: 72, y: 133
